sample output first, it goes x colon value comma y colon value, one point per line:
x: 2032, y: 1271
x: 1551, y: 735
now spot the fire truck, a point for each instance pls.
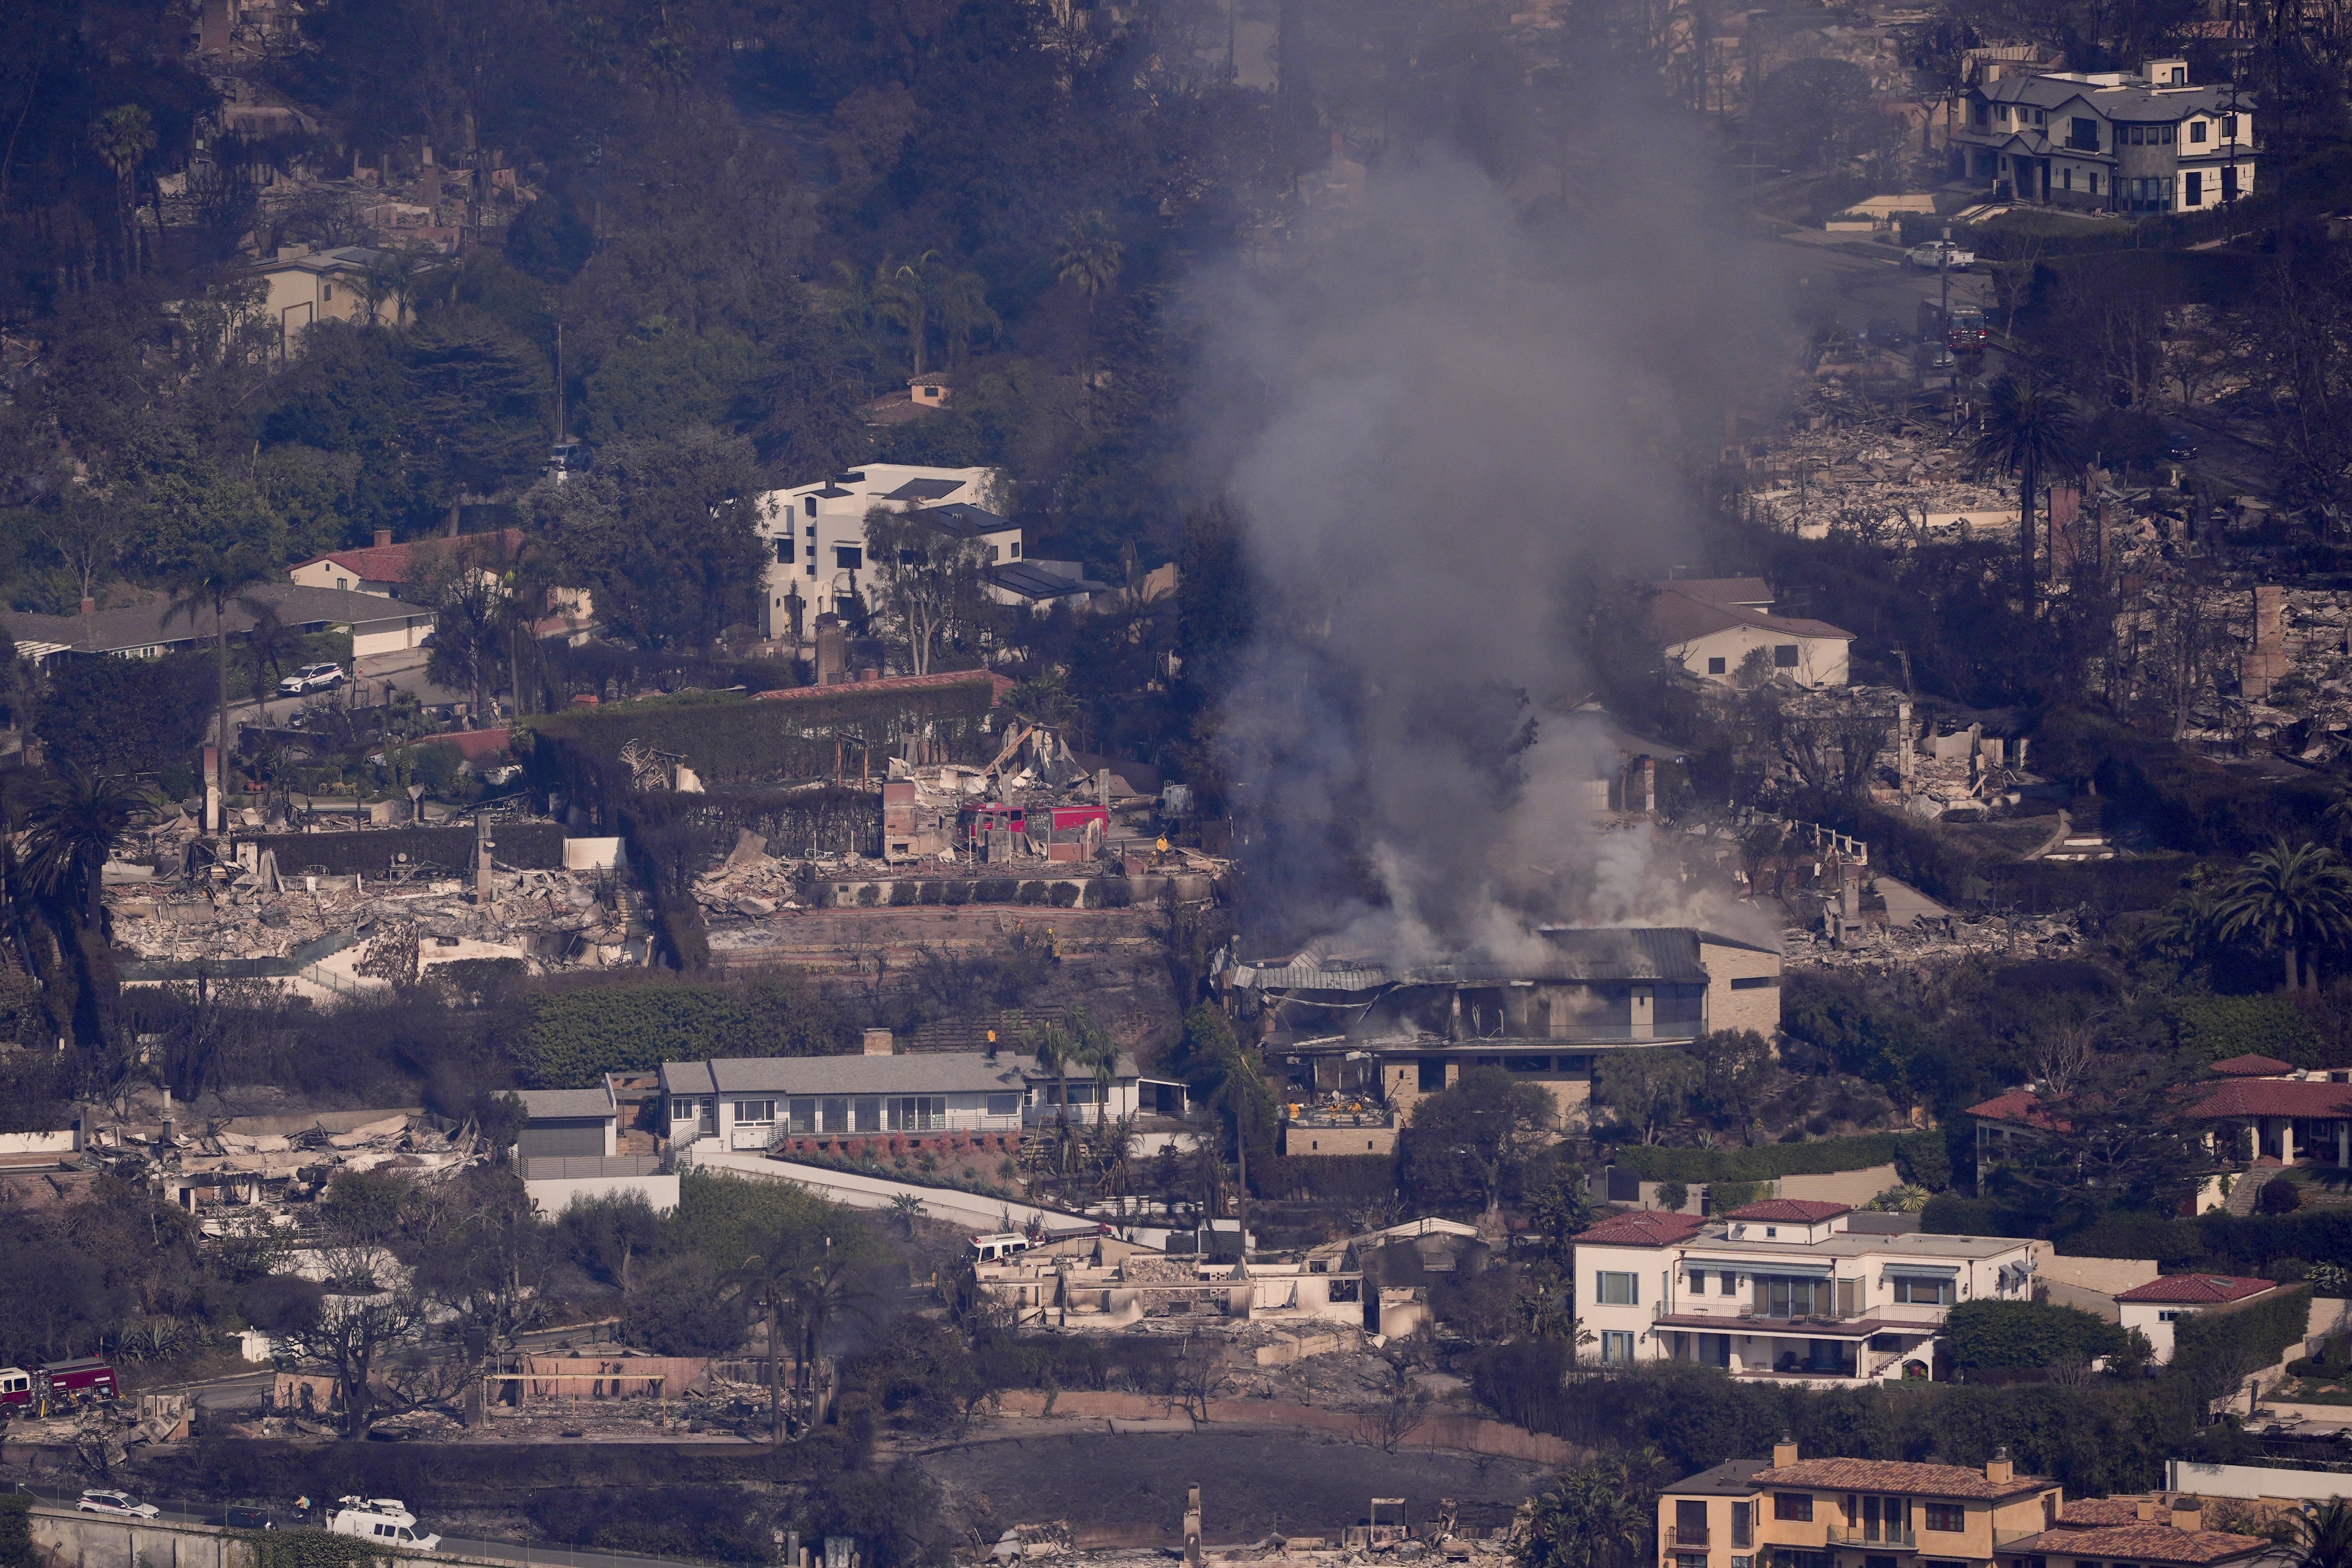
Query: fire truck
x: 56, y: 1385
x: 1962, y: 328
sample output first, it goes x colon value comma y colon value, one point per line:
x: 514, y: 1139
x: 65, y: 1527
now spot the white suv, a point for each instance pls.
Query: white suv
x: 312, y: 677
x: 122, y: 1503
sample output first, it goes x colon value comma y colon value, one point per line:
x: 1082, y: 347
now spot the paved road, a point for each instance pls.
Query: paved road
x: 404, y: 670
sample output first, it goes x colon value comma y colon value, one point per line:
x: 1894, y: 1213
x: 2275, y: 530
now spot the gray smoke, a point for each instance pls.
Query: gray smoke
x: 1444, y: 433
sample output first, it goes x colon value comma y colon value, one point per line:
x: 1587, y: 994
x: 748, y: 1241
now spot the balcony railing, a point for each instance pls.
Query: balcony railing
x: 1882, y: 1536
x: 1688, y: 1539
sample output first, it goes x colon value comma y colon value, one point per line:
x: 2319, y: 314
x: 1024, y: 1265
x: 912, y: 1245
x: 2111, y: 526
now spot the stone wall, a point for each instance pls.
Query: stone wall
x: 1464, y: 1433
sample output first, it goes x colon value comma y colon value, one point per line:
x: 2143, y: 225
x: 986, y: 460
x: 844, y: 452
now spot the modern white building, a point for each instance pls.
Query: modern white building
x: 756, y: 1102
x: 2121, y: 142
x: 1786, y: 1288
x: 815, y: 533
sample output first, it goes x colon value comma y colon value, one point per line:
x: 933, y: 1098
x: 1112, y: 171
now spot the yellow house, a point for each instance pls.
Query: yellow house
x: 306, y: 286
x: 1795, y: 1513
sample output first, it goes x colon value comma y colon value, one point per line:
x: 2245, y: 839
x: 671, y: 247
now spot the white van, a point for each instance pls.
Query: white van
x: 385, y: 1520
x: 998, y: 1245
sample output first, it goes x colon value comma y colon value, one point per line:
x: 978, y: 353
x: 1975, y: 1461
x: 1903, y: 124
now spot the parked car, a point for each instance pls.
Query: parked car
x: 248, y: 1516
x: 121, y: 1504
x: 312, y: 677
x: 2179, y: 443
x: 1884, y: 332
x: 1938, y: 253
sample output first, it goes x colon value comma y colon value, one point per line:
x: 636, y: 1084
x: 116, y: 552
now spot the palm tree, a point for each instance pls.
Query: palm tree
x: 122, y: 136
x: 960, y: 300
x: 906, y: 298
x: 1089, y: 262
x: 2293, y: 896
x: 218, y: 578
x: 2323, y: 1538
x: 71, y: 829
x: 2031, y: 428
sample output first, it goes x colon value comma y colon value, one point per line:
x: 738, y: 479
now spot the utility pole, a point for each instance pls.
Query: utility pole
x: 562, y: 425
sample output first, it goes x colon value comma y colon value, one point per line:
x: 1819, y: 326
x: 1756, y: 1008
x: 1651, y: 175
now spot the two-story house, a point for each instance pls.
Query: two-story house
x: 2109, y: 141
x: 1795, y: 1513
x: 1785, y: 1288
x: 814, y: 534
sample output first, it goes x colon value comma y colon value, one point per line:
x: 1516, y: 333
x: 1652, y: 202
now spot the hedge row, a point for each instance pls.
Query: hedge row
x: 1771, y: 1160
x: 577, y: 1036
x: 373, y: 852
x: 726, y: 738
x: 2260, y: 1333
x: 2028, y: 1334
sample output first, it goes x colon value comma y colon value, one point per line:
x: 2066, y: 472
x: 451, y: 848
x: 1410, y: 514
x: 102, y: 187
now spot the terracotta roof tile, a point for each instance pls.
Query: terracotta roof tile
x: 394, y: 562
x: 2021, y: 1105
x: 2140, y: 1542
x: 2252, y: 1066
x: 2084, y: 1513
x: 1895, y: 1476
x: 2196, y: 1289
x: 1797, y: 1210
x: 2274, y: 1097
x: 1644, y: 1227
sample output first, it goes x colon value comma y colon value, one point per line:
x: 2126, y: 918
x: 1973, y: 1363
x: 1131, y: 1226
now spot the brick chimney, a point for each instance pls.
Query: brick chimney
x: 878, y: 1043
x: 1784, y: 1452
x: 383, y: 539
x: 2000, y: 1469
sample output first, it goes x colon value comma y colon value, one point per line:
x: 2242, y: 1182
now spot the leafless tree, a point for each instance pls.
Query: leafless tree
x: 1398, y: 1414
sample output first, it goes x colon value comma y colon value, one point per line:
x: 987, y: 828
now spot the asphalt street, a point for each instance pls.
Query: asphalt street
x: 403, y: 671
x: 181, y: 1510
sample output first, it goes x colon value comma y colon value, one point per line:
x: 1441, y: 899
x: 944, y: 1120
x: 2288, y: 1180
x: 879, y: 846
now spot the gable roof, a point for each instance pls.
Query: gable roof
x: 2196, y: 1289
x: 1796, y: 1211
x: 1897, y: 1475
x: 395, y: 562
x: 2019, y: 1105
x: 566, y: 1104
x: 1676, y: 616
x: 2252, y: 1066
x: 144, y: 625
x: 1643, y: 1227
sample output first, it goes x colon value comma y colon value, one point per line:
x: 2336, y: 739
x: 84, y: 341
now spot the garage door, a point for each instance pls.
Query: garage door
x: 543, y: 1140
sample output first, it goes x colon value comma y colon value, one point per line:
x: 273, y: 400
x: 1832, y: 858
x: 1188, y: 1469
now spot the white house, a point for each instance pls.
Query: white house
x: 2155, y: 1307
x: 1786, y: 1288
x: 1710, y: 625
x: 815, y: 533
x: 753, y: 1102
x: 568, y: 1148
x: 2119, y: 141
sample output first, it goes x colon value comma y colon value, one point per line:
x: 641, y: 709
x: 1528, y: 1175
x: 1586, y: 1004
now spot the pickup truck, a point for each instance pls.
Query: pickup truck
x: 1938, y: 253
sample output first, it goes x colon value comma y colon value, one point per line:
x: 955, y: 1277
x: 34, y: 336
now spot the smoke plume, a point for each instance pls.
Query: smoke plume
x: 1447, y: 434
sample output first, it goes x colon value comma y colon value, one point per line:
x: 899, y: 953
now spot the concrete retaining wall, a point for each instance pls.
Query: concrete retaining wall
x: 552, y: 1197
x: 38, y: 1142
x: 1856, y: 1187
x: 2255, y: 1481
x: 66, y: 1538
x: 1465, y: 1434
x: 1012, y: 887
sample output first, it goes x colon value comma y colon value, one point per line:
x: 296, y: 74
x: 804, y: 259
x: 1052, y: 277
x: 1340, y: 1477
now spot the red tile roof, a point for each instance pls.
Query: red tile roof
x: 2084, y: 1513
x: 393, y: 562
x: 476, y: 744
x: 2021, y: 1105
x: 2252, y: 1066
x: 892, y: 683
x: 1797, y: 1210
x: 2140, y: 1542
x: 1895, y: 1476
x: 1644, y: 1227
x: 2196, y: 1289
x: 2314, y: 1098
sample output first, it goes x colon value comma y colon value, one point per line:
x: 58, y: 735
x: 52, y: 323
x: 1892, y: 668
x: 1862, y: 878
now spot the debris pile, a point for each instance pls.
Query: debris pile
x: 1933, y: 937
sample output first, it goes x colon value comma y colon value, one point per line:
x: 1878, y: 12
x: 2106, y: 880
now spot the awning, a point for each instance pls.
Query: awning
x: 1789, y: 1268
x: 1921, y: 1272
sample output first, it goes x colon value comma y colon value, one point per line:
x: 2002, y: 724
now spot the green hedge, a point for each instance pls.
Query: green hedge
x: 2028, y: 1333
x: 2215, y: 1028
x: 1770, y: 1161
x: 314, y: 1549
x: 2264, y: 1330
x: 2257, y: 1241
x: 729, y: 738
x: 17, y: 1530
x: 576, y: 1036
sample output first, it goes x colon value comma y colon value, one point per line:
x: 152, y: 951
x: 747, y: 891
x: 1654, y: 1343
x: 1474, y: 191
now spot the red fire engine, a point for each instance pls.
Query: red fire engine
x: 57, y: 1383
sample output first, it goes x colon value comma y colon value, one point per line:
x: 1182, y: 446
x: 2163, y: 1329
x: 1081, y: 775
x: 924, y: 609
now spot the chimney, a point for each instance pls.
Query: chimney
x: 2189, y: 1514
x: 383, y: 539
x: 1999, y: 1469
x: 869, y: 673
x: 88, y: 606
x: 878, y: 1043
x: 1650, y: 786
x: 1784, y: 1452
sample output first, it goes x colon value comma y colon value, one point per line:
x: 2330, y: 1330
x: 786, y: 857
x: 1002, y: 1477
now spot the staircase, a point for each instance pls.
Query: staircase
x: 2248, y: 1187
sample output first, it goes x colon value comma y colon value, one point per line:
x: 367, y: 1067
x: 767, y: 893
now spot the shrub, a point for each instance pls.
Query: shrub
x: 1773, y: 1160
x: 2279, y: 1196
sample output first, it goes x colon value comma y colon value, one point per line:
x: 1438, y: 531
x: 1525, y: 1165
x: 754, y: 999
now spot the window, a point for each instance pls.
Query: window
x: 331, y: 291
x: 1743, y: 1525
x: 995, y: 552
x: 1528, y: 1064
x: 1756, y: 983
x: 1715, y: 667
x: 1015, y: 548
x: 2229, y: 127
x: 918, y: 1112
x: 848, y: 557
x: 2193, y: 191
x: 1698, y: 1281
x: 755, y: 1110
x: 343, y: 581
x: 2083, y: 135
x: 1617, y: 1289
x: 804, y: 1118
x: 1617, y: 1346
x: 1784, y: 655
x: 2171, y: 133
x: 1948, y: 1517
x: 1004, y: 1105
x: 2197, y: 130
x: 1922, y: 1292
x: 2066, y: 178
x: 2094, y: 181
x: 1797, y: 1506
x: 784, y: 551
x: 2173, y: 1316
x: 1431, y: 1077
x: 1690, y: 1523
x: 1730, y: 1283
x: 810, y: 503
